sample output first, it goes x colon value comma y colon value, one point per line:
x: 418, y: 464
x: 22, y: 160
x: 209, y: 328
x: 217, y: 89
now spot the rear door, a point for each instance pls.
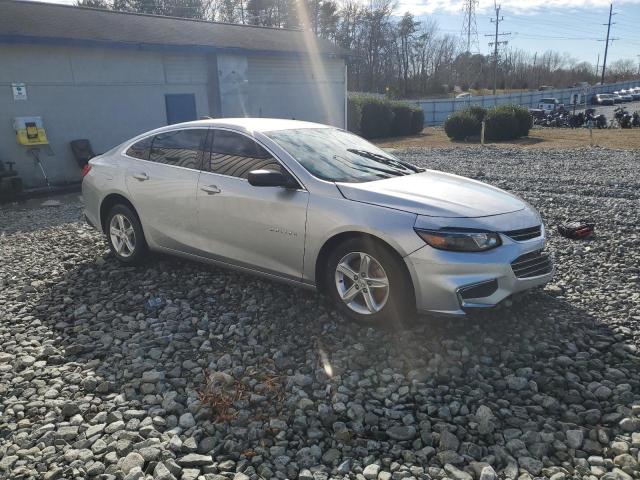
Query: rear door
x: 258, y: 227
x: 162, y: 178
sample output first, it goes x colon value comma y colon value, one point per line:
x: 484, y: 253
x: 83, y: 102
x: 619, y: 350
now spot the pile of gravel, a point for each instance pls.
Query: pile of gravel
x: 112, y: 372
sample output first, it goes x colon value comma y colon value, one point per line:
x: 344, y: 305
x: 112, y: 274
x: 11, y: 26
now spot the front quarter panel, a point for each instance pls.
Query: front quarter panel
x: 330, y: 216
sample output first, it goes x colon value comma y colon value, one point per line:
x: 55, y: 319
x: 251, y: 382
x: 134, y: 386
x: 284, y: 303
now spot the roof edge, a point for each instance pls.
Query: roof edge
x: 141, y: 14
x: 30, y: 39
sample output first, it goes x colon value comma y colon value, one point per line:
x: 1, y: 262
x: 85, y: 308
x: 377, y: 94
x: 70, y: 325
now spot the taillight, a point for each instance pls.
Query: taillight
x: 86, y: 169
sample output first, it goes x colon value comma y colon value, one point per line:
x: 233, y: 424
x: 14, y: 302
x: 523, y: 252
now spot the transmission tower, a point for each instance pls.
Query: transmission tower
x: 469, y: 27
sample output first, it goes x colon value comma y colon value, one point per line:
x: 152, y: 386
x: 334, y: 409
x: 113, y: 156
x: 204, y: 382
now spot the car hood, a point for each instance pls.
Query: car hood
x: 434, y: 194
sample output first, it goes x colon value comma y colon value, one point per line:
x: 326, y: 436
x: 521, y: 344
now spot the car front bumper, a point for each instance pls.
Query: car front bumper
x: 445, y: 282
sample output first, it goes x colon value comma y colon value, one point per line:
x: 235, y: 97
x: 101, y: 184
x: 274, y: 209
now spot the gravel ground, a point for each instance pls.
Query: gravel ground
x: 233, y: 377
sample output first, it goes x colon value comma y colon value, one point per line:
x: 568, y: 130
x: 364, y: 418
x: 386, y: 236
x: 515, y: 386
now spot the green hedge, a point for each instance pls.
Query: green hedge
x: 377, y: 116
x: 478, y: 112
x: 525, y: 120
x: 501, y: 123
x: 507, y: 123
x: 402, y: 115
x: 354, y: 114
x: 417, y: 120
x: 461, y: 125
x: 374, y: 117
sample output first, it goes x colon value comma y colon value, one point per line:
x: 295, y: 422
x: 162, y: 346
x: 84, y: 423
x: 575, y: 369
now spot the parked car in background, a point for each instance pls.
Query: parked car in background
x: 624, y: 96
x: 617, y: 98
x: 635, y: 93
x: 542, y: 88
x: 319, y: 207
x: 549, y: 104
x: 463, y: 95
x: 604, y: 99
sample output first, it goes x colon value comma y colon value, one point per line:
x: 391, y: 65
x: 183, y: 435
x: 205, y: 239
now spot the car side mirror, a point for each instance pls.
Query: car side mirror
x: 271, y: 178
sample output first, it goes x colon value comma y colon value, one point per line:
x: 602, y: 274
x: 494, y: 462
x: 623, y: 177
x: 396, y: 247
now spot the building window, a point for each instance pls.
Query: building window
x: 179, y: 148
x: 140, y: 149
x: 236, y: 155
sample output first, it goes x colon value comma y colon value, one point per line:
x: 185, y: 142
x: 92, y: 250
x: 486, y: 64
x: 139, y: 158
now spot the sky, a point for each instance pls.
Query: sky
x: 567, y: 26
x: 571, y: 26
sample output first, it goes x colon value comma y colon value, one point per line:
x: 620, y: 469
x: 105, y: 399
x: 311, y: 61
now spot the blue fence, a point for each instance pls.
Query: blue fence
x: 437, y: 111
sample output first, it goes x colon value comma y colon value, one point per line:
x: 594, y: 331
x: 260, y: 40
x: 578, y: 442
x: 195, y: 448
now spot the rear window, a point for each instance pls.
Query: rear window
x: 140, y: 149
x: 179, y: 148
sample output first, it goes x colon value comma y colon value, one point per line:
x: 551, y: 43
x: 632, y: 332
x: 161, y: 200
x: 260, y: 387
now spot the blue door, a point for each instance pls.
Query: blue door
x: 181, y: 107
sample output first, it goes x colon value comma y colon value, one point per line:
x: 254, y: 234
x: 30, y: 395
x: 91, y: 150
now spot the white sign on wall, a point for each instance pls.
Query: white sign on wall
x: 19, y: 91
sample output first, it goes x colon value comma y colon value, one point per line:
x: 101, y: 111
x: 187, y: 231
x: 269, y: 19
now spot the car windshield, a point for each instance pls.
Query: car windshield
x: 338, y: 156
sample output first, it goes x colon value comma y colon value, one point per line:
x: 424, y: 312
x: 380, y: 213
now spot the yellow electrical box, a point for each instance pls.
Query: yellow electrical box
x: 30, y: 131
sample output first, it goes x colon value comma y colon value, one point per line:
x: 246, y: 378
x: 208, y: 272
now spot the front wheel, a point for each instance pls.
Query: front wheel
x: 368, y: 283
x: 125, y: 235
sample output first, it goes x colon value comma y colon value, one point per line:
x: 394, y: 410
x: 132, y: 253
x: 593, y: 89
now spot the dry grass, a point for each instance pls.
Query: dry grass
x: 540, y: 138
x: 219, y: 399
x: 220, y: 395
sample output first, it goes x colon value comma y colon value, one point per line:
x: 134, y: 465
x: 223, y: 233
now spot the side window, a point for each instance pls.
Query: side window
x: 180, y: 148
x: 236, y: 155
x: 140, y: 149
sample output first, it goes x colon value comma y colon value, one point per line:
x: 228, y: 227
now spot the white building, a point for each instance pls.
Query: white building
x: 107, y: 76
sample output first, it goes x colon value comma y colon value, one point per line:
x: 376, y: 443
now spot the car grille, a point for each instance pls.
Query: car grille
x: 532, y: 264
x: 524, y: 233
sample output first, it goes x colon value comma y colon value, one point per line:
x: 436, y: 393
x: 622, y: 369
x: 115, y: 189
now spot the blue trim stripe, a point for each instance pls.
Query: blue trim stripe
x: 29, y: 39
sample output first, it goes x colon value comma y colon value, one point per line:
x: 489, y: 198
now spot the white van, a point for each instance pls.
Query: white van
x: 549, y: 105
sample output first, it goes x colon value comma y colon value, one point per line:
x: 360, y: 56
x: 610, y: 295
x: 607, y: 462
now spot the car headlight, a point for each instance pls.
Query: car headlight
x: 460, y: 241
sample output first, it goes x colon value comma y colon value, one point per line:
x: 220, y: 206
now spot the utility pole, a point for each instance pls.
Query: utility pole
x: 606, y: 45
x: 495, y: 44
x: 469, y: 26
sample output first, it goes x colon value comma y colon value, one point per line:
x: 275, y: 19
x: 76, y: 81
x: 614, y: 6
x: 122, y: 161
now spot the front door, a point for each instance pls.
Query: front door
x: 262, y: 228
x: 181, y: 107
x: 162, y: 178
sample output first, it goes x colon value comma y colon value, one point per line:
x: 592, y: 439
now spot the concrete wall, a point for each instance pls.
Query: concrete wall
x: 105, y: 95
x: 437, y: 111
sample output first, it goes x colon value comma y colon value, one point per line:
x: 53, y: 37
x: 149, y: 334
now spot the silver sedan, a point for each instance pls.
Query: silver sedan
x: 318, y: 207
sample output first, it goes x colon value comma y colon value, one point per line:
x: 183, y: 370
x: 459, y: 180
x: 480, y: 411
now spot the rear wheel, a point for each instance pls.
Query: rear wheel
x: 125, y: 235
x: 368, y: 284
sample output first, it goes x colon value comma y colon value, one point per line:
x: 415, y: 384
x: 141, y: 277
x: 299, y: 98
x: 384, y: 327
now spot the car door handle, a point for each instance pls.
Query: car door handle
x: 141, y: 176
x: 211, y: 189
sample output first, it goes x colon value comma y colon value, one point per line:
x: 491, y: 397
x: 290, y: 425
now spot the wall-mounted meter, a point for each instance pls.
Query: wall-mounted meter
x: 30, y: 131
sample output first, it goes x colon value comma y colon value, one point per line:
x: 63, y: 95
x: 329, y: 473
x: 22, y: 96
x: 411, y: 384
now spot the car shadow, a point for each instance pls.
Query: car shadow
x: 540, y: 366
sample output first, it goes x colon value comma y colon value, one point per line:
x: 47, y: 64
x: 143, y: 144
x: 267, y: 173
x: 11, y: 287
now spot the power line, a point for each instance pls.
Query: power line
x: 496, y: 43
x: 529, y: 35
x: 469, y: 26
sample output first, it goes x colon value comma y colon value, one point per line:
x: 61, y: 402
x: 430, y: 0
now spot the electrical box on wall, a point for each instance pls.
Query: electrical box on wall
x: 30, y: 131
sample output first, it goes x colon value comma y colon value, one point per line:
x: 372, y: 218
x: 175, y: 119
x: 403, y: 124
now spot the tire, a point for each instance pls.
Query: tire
x: 393, y: 305
x: 133, y: 250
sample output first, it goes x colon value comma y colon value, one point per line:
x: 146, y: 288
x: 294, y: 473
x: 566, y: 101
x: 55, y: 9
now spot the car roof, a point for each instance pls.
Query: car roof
x: 249, y: 124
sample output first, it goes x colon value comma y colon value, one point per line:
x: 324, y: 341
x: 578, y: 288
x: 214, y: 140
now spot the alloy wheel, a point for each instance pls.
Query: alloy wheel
x: 123, y: 236
x: 362, y: 283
